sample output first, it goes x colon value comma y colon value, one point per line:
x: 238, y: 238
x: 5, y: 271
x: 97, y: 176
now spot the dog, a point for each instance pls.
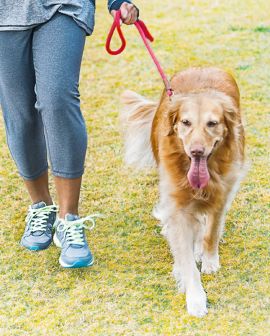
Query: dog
x: 196, y: 140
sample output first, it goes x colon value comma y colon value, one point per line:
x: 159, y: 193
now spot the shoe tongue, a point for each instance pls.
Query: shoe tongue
x: 198, y: 175
x: 38, y: 205
x: 70, y: 217
x: 37, y: 233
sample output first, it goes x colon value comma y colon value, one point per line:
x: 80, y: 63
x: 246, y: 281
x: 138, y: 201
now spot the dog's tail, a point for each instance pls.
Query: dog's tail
x: 136, y: 121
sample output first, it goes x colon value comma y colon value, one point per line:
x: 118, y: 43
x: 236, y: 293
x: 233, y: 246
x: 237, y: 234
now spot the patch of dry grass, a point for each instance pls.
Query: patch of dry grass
x: 129, y: 290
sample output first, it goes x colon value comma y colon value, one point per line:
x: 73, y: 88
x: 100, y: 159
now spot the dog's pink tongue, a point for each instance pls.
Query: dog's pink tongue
x: 198, y: 175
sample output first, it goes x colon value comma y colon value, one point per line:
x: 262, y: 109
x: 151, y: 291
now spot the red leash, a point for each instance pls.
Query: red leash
x: 145, y: 34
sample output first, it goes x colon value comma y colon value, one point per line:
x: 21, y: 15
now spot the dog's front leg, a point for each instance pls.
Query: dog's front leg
x: 214, y: 227
x: 180, y: 235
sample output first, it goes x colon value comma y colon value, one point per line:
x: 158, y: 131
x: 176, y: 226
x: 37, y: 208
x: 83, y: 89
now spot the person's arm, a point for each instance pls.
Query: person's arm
x: 129, y: 12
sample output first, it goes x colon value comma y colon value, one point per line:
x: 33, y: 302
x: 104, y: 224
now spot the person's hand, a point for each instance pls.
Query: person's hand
x: 129, y: 13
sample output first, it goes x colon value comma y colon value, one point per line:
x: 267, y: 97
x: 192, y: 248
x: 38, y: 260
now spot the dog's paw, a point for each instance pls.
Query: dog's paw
x: 196, y: 302
x: 210, y: 263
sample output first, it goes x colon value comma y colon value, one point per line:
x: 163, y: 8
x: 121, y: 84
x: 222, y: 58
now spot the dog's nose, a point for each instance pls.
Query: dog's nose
x: 197, y: 150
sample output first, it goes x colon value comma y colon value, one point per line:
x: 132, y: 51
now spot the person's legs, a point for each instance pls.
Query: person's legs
x: 25, y: 135
x: 38, y: 189
x: 24, y: 127
x: 57, y: 52
x: 68, y: 193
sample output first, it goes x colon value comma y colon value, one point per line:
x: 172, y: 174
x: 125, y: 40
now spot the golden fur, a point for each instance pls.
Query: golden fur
x: 204, y: 112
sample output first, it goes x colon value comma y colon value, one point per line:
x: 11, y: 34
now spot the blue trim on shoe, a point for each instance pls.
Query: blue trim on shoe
x: 35, y: 247
x: 77, y: 264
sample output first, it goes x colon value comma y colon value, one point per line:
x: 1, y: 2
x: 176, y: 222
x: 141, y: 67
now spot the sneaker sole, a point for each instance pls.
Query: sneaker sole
x: 76, y: 264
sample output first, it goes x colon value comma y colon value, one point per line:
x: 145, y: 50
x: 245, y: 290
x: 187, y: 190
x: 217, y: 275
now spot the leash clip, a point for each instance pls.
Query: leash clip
x: 170, y: 93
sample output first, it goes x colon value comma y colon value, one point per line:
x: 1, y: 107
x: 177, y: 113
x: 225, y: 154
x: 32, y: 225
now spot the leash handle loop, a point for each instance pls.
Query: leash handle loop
x: 116, y: 25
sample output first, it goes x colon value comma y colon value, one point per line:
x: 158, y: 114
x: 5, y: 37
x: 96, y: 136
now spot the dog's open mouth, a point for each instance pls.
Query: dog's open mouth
x: 198, y: 175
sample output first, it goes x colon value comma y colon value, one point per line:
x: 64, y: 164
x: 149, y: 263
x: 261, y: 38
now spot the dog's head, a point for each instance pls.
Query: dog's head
x: 202, y: 121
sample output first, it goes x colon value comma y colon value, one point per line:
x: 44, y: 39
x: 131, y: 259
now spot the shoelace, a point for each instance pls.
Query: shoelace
x: 37, y: 218
x: 74, y: 229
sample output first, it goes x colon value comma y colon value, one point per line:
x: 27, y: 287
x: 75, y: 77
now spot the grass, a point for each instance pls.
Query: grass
x: 130, y: 290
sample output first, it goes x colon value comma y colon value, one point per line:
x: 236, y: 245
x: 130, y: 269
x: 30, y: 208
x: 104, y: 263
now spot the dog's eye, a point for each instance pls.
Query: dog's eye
x: 212, y: 123
x: 186, y: 122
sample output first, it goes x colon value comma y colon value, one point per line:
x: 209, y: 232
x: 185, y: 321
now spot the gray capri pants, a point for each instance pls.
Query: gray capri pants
x: 39, y: 79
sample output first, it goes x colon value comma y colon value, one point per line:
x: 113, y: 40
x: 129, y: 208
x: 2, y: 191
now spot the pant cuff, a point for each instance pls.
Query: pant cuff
x: 68, y: 175
x: 34, y: 176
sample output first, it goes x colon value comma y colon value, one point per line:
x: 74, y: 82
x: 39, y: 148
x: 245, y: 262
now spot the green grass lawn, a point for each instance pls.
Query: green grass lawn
x: 130, y: 290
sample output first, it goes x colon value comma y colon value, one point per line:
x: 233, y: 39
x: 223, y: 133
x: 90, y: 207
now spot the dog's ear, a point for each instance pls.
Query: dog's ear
x: 231, y: 114
x: 172, y: 115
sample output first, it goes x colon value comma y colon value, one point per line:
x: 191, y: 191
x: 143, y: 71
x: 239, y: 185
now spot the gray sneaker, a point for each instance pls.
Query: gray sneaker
x: 39, y: 224
x: 70, y: 237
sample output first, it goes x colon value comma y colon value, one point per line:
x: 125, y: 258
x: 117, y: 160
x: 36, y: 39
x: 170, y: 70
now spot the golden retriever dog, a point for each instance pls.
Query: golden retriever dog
x: 196, y: 140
